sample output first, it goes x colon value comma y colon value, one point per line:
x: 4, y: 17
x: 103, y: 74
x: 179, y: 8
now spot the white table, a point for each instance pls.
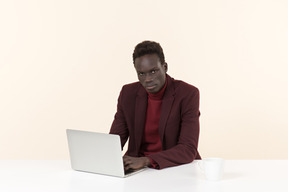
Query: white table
x: 240, y: 175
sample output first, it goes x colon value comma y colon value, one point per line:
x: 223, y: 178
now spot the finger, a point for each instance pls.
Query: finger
x: 127, y: 160
x: 126, y: 163
x: 127, y: 167
x: 126, y: 157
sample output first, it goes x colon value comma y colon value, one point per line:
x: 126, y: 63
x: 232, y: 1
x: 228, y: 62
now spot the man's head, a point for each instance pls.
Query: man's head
x: 150, y: 65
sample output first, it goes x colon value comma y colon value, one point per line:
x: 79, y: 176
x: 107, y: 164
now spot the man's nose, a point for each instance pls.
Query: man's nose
x: 148, y: 78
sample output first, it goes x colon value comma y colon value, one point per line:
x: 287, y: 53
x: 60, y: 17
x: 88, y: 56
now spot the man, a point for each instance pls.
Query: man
x: 158, y: 114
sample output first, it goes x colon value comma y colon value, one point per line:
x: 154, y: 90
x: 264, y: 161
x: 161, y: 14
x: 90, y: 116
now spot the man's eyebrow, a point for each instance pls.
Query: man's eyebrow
x: 154, y: 68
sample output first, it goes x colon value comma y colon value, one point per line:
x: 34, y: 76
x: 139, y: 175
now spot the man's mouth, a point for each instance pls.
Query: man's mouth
x: 150, y: 86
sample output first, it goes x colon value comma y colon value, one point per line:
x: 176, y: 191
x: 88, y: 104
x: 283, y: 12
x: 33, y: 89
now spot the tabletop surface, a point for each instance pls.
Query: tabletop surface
x: 56, y: 175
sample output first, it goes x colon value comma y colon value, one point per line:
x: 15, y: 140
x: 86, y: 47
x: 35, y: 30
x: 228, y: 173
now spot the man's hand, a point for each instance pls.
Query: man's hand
x: 135, y: 162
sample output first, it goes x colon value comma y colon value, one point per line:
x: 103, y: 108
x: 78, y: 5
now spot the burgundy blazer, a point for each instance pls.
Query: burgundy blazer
x: 178, y: 126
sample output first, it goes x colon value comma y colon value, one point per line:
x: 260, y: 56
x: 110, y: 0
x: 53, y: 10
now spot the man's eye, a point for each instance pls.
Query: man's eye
x: 153, y: 71
x: 140, y: 74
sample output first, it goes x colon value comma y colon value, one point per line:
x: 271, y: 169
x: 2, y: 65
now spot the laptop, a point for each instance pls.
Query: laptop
x: 96, y: 153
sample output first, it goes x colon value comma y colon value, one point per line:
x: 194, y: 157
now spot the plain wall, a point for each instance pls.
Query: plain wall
x: 63, y: 63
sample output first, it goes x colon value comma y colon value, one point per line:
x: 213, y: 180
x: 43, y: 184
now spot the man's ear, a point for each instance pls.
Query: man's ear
x: 166, y: 67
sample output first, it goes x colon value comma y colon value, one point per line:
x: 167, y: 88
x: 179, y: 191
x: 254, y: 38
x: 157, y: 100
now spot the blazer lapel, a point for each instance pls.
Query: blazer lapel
x: 140, y: 116
x: 167, y: 103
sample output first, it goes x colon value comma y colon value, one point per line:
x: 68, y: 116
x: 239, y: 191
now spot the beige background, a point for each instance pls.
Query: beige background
x: 64, y: 62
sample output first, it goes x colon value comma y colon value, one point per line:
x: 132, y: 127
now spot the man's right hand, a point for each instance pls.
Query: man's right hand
x: 135, y: 162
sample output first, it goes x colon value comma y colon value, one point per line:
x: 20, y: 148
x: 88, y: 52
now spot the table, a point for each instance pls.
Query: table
x: 56, y: 175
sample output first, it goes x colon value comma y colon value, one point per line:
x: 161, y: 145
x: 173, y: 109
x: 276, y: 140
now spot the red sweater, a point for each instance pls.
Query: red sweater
x: 151, y: 142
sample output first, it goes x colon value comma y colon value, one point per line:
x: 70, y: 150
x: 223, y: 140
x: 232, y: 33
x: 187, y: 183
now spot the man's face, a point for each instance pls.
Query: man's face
x: 151, y: 73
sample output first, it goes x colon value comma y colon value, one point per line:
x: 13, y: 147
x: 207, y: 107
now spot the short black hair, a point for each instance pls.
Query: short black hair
x: 148, y: 47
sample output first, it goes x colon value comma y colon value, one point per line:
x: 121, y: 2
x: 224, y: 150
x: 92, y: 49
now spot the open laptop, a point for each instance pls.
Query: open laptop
x: 96, y: 153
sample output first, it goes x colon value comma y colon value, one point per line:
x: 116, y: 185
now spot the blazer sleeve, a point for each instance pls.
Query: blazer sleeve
x: 119, y: 125
x: 185, y: 151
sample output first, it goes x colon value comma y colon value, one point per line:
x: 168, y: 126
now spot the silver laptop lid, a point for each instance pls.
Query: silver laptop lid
x: 95, y: 152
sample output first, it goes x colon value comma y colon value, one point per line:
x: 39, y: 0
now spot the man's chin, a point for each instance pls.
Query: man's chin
x: 154, y: 90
